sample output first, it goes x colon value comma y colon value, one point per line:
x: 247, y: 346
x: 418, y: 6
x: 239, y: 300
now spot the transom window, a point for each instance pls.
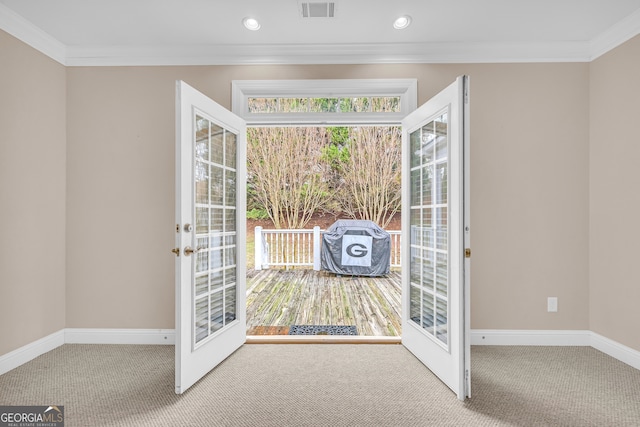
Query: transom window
x: 352, y: 101
x: 360, y: 104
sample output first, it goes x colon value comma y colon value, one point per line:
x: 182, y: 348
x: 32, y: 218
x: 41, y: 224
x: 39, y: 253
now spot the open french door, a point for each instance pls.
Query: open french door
x: 210, y: 235
x: 435, y: 228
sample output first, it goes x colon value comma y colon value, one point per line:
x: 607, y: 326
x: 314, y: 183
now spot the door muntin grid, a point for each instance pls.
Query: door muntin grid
x: 429, y: 219
x: 214, y: 287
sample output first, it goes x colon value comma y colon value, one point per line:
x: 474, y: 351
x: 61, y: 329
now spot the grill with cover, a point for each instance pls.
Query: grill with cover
x: 357, y: 248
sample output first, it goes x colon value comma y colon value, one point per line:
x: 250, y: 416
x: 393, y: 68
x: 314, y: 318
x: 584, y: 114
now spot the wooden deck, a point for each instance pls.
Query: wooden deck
x: 277, y: 299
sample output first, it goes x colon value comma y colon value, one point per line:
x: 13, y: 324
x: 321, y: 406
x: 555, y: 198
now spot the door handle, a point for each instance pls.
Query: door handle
x: 176, y: 251
x: 188, y: 251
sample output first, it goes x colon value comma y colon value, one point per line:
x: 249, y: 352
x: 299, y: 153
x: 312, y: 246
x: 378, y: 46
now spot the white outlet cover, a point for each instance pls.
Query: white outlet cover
x: 552, y: 304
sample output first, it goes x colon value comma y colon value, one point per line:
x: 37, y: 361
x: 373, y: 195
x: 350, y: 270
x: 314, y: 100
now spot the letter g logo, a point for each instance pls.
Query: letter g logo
x: 357, y: 250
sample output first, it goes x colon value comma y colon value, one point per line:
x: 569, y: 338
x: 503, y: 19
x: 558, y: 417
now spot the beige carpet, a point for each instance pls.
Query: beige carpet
x: 328, y: 385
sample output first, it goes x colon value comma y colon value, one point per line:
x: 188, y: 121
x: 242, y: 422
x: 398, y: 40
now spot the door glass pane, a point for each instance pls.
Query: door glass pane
x: 415, y: 266
x: 416, y: 188
x: 230, y: 149
x: 201, y: 319
x: 442, y: 139
x: 202, y: 284
x: 201, y: 174
x: 216, y: 259
x: 441, y: 228
x: 202, y: 138
x: 202, y: 260
x: 427, y: 269
x: 230, y: 219
x: 230, y: 188
x: 441, y: 184
x: 230, y: 275
x: 216, y: 220
x: 415, y: 306
x: 427, y: 227
x: 217, y: 144
x: 230, y: 305
x: 202, y: 220
x: 230, y: 256
x: 214, y: 286
x: 415, y: 145
x: 427, y: 312
x: 426, y: 144
x: 216, y: 185
x: 427, y: 187
x: 217, y: 312
x: 217, y: 280
x: 429, y: 279
x: 441, y: 320
x: 416, y: 226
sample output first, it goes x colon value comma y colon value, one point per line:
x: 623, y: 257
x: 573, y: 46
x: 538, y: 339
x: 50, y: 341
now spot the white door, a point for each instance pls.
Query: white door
x: 435, y: 229
x: 210, y: 235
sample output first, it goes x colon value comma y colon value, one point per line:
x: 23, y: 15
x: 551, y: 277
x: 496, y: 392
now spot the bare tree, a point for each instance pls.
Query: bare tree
x: 286, y: 173
x: 370, y: 186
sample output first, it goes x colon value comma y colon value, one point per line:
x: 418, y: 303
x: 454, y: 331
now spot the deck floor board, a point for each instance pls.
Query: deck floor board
x: 277, y: 299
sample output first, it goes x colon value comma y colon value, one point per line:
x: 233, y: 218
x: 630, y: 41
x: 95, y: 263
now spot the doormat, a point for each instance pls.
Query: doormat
x: 322, y: 330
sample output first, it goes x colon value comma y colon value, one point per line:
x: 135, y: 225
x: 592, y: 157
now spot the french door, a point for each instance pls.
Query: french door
x: 210, y: 235
x: 435, y: 228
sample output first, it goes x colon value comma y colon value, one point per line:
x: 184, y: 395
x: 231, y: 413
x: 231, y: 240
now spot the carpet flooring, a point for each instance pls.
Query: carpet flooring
x: 328, y: 385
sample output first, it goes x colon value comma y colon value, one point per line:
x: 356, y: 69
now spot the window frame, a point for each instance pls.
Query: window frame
x: 242, y: 90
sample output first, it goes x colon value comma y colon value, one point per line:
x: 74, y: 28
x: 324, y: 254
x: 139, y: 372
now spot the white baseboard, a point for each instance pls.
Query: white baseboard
x: 30, y: 351
x: 616, y: 350
x: 557, y: 338
x: 119, y: 336
x: 530, y: 337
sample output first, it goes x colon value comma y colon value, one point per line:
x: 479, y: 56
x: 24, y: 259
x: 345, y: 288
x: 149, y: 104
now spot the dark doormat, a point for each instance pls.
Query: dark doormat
x: 322, y: 330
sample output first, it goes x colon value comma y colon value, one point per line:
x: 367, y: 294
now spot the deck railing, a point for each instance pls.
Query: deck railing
x: 301, y: 248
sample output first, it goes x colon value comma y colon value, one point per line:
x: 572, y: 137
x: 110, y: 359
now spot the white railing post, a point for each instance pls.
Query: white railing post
x: 316, y: 247
x: 258, y: 248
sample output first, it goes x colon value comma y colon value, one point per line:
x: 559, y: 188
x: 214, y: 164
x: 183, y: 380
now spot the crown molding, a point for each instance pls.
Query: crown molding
x: 368, y: 53
x: 621, y: 32
x: 28, y: 33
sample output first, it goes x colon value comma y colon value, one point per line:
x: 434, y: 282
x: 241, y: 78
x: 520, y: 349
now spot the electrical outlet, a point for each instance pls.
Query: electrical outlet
x: 552, y: 304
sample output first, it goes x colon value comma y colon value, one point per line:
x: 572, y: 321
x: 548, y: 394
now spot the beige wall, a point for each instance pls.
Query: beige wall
x: 614, y: 194
x: 529, y: 190
x: 32, y: 194
x: 549, y: 216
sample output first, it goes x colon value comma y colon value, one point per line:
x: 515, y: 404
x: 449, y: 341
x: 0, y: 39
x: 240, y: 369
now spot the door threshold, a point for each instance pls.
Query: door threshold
x: 320, y: 339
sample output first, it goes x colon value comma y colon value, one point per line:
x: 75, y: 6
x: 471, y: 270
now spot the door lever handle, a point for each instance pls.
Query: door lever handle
x: 188, y: 251
x: 176, y: 251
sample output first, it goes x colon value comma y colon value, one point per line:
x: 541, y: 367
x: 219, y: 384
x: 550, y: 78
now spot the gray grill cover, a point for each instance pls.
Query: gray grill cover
x: 356, y: 247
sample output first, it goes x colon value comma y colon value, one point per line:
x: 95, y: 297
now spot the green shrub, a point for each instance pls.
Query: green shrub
x: 257, y: 213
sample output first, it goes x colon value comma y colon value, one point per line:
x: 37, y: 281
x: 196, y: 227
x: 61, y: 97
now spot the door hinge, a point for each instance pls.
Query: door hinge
x: 467, y: 253
x: 177, y: 228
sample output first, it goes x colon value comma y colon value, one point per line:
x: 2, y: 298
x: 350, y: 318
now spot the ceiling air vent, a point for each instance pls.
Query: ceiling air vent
x: 318, y: 9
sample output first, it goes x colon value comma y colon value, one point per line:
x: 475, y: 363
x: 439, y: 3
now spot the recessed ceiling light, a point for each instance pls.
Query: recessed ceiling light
x: 251, y: 24
x: 402, y: 22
